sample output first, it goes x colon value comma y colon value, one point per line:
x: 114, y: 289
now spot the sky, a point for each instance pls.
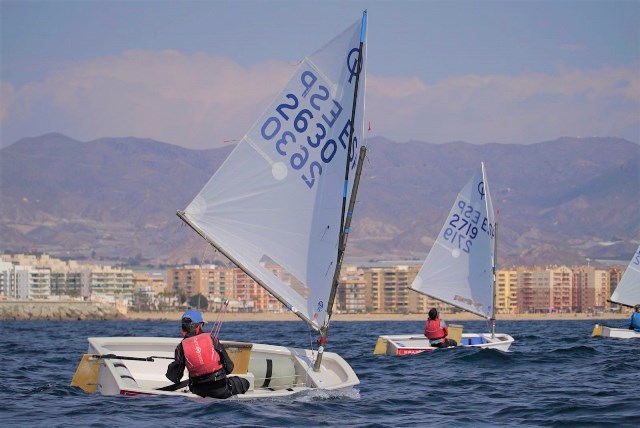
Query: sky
x: 199, y: 73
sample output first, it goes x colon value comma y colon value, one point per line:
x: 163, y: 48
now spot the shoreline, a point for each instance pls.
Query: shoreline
x: 42, y: 310
x: 240, y: 317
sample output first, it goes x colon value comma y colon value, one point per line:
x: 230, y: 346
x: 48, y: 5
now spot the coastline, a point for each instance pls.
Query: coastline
x: 43, y: 310
x: 211, y: 316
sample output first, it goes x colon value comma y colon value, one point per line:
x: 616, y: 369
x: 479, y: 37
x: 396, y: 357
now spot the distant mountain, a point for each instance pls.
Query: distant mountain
x: 559, y: 201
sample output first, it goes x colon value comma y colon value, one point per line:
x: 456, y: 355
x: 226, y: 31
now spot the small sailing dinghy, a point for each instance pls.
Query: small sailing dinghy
x: 627, y: 293
x: 459, y: 270
x: 284, y: 197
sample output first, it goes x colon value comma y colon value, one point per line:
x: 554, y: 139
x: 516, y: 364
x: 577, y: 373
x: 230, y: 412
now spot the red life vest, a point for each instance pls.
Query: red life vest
x: 200, y: 357
x: 433, y: 330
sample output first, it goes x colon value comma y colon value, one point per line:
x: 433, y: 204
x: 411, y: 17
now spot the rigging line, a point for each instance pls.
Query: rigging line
x: 215, y: 329
x: 224, y: 311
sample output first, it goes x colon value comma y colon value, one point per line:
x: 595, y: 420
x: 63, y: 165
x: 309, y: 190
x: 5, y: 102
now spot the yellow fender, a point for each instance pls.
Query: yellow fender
x: 87, y: 373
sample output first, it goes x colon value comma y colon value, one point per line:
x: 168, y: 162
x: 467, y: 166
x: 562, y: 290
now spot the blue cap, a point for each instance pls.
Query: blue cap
x: 194, y: 315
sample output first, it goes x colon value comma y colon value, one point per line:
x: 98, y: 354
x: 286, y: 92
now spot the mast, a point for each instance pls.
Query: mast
x: 495, y: 274
x: 345, y: 223
x: 494, y: 261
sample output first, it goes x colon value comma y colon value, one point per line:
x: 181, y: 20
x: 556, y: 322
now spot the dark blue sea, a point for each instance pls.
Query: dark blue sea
x: 556, y: 374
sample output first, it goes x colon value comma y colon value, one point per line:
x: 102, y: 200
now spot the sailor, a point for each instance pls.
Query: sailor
x: 634, y: 321
x: 206, y: 360
x: 436, y: 331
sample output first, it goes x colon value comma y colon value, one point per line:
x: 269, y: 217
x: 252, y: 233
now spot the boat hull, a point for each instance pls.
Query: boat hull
x: 619, y: 333
x: 272, y: 371
x: 407, y: 344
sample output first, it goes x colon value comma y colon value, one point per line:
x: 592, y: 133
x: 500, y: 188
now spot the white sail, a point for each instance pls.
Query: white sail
x: 277, y: 199
x: 628, y: 290
x: 459, y: 267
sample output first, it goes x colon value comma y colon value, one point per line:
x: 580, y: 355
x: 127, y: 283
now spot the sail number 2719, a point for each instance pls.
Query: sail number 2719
x: 463, y: 226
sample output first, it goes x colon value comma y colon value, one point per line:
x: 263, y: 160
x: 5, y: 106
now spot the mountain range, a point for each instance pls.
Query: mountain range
x: 560, y: 202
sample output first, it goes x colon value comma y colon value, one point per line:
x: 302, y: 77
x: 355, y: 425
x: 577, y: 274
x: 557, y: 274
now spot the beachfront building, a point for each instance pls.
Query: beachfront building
x: 545, y: 289
x: 153, y: 281
x: 68, y: 283
x: 32, y: 283
x: 7, y: 280
x: 506, y: 291
x: 109, y: 284
x: 352, y: 293
x: 388, y: 291
x: 219, y: 283
x: 615, y: 275
x: 46, y: 278
x: 149, y: 291
x: 191, y: 280
x: 591, y: 289
x: 252, y: 297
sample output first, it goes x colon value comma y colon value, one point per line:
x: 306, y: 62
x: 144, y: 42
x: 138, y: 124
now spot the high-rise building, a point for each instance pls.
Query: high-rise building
x: 506, y: 291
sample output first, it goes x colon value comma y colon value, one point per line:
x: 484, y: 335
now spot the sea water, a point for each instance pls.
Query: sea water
x: 555, y: 374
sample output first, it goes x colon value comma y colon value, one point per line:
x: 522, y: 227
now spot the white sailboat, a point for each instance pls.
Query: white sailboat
x: 284, y: 197
x: 460, y: 271
x: 627, y: 293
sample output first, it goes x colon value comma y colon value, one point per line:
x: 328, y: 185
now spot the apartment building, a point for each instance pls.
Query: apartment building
x: 352, y: 293
x: 192, y: 280
x: 32, y: 283
x: 217, y: 283
x: 44, y: 277
x: 545, y: 289
x: 7, y: 280
x: 506, y: 291
x: 591, y: 289
x: 388, y: 291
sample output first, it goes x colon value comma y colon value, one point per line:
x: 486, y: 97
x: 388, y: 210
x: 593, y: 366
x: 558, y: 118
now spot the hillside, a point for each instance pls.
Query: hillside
x: 559, y: 201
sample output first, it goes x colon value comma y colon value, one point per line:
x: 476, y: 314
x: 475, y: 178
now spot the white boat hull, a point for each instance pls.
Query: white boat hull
x: 289, y: 370
x: 414, y: 344
x: 620, y: 333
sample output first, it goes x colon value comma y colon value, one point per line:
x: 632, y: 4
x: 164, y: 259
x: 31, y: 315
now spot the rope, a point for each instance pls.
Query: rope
x: 313, y: 353
x: 215, y: 329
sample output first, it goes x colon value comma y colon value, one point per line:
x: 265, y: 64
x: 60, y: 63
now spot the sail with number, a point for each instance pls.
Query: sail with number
x: 628, y: 290
x: 277, y: 200
x: 459, y: 269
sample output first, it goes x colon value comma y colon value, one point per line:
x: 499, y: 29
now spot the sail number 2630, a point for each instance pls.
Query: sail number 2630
x: 300, y: 125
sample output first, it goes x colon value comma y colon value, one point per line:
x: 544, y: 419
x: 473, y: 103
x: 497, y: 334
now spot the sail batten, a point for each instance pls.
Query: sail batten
x: 275, y: 204
x: 459, y: 269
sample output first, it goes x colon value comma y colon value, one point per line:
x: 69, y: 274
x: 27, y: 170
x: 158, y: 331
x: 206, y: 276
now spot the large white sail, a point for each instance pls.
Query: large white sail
x: 628, y: 290
x: 277, y: 199
x: 459, y: 267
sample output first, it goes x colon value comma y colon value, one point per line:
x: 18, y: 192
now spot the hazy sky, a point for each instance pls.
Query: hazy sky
x: 198, y: 73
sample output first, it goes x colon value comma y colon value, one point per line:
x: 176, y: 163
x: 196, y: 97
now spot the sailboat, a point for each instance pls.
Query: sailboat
x: 627, y: 293
x: 284, y: 198
x: 460, y: 270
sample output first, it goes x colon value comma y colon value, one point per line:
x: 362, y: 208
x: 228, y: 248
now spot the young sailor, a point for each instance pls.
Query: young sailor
x: 634, y: 321
x: 206, y: 360
x: 436, y: 331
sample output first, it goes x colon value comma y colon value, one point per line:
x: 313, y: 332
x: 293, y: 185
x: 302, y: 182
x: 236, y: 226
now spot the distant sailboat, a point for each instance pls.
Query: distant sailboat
x: 284, y: 197
x: 627, y: 293
x: 460, y: 270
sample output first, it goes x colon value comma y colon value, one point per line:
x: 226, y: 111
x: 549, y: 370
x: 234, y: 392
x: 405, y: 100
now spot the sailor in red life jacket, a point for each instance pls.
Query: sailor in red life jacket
x: 206, y: 360
x: 436, y: 331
